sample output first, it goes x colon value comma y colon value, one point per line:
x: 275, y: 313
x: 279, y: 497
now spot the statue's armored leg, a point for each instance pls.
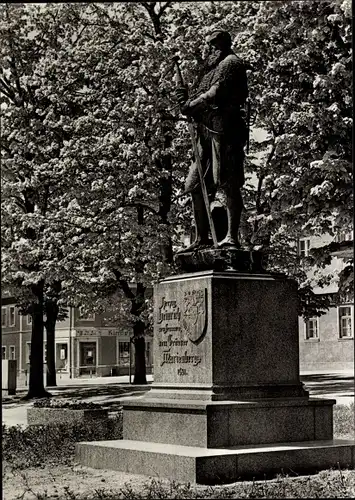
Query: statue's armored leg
x: 201, y: 222
x: 192, y: 186
x: 234, y: 207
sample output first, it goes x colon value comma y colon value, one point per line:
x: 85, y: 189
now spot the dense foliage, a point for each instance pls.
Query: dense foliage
x: 71, y: 404
x: 94, y: 150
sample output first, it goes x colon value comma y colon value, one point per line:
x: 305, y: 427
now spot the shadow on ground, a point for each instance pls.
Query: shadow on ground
x: 110, y: 393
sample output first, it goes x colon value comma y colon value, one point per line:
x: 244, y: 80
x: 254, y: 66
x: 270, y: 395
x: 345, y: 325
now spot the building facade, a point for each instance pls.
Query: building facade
x: 327, y: 342
x: 85, y: 345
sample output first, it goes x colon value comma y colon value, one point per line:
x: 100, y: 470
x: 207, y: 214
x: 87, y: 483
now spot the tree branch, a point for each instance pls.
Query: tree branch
x: 163, y: 9
x: 124, y: 285
x: 7, y: 90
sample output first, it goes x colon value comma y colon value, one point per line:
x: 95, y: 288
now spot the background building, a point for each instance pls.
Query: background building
x: 327, y: 342
x: 84, y: 344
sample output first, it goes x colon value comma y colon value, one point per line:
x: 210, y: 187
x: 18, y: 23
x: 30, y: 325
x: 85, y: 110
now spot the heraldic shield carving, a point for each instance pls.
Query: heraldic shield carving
x: 194, y: 322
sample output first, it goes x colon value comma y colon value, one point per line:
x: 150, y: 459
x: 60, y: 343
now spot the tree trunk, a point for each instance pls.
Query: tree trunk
x: 139, y: 354
x: 52, y: 310
x: 36, y: 386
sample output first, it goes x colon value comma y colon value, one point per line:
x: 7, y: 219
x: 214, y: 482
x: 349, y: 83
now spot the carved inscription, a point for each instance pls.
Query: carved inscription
x: 169, y: 311
x: 185, y: 358
x: 170, y: 342
x: 174, y: 321
x: 169, y: 316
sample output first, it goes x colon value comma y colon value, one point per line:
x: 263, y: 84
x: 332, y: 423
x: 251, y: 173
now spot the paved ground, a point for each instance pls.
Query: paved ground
x: 110, y: 391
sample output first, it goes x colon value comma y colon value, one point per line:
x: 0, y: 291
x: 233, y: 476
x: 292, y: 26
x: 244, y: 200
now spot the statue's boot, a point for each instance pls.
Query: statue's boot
x: 201, y: 223
x: 234, y: 207
x: 230, y: 242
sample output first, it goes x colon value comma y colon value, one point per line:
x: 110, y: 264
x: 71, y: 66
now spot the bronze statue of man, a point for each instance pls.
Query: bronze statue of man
x: 221, y: 136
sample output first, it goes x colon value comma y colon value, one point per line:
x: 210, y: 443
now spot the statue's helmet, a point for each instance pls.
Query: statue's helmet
x: 221, y: 36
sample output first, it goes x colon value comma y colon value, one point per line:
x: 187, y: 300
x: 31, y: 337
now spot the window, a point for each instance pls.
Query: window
x: 345, y: 321
x: 85, y: 315
x: 3, y: 316
x: 45, y: 352
x: 12, y: 353
x: 123, y: 353
x: 12, y: 316
x: 312, y: 329
x: 3, y: 349
x: 344, y: 236
x: 304, y: 244
x: 29, y: 319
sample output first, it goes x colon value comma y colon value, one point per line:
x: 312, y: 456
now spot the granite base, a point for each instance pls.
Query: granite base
x: 188, y: 464
x: 227, y: 423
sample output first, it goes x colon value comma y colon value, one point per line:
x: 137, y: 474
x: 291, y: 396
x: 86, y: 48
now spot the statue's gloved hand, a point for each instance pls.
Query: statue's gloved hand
x: 181, y: 95
x: 186, y: 108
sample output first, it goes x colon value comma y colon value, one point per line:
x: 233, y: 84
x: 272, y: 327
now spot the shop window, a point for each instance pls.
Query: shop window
x: 304, y: 245
x: 12, y: 316
x: 123, y: 353
x: 345, y: 321
x: 3, y: 350
x: 312, y: 329
x: 85, y: 316
x: 3, y: 316
x: 12, y: 352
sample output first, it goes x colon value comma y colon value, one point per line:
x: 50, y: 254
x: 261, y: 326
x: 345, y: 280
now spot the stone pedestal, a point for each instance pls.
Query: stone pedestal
x: 226, y: 336
x: 227, y: 398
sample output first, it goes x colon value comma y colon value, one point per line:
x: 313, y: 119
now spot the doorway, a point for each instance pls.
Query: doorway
x: 87, y: 358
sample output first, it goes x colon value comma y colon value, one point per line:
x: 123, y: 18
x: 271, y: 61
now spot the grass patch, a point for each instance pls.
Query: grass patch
x: 39, y: 446
x: 326, y: 484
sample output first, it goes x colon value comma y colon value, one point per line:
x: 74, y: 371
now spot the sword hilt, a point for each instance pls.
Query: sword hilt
x: 178, y: 74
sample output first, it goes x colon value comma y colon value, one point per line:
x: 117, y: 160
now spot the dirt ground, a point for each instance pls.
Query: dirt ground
x: 70, y: 483
x: 59, y: 481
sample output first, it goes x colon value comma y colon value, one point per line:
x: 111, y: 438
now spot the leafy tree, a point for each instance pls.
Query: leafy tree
x: 93, y: 129
x: 300, y: 80
x: 301, y: 87
x: 32, y: 180
x: 94, y: 148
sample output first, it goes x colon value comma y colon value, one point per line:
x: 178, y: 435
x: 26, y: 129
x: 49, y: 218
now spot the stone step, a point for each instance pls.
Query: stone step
x: 188, y: 464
